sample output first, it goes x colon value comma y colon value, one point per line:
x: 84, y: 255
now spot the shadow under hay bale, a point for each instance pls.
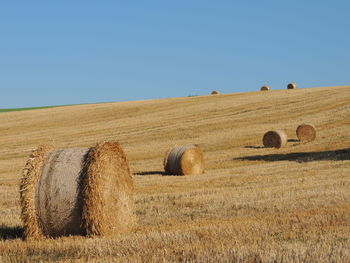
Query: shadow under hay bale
x: 275, y: 139
x: 150, y: 173
x: 293, y: 140
x: 254, y: 147
x: 77, y: 191
x: 306, y: 132
x: 300, y: 157
x: 11, y: 232
x: 184, y: 160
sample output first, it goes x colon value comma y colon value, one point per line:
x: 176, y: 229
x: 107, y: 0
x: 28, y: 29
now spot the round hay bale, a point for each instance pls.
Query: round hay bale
x: 214, y: 92
x: 306, y: 132
x: 263, y: 88
x: 76, y: 191
x: 184, y: 160
x: 275, y: 139
x: 292, y: 86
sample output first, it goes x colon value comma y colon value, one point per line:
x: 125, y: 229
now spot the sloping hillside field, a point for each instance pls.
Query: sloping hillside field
x: 252, y: 204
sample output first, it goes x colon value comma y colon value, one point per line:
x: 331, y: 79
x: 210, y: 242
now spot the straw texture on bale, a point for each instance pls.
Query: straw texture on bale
x: 215, y: 92
x: 275, y: 139
x: 76, y: 191
x: 263, y: 88
x: 184, y: 160
x: 31, y: 172
x: 306, y: 132
x: 292, y: 86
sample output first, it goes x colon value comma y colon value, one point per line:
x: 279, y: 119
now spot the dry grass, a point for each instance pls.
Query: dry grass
x: 252, y: 204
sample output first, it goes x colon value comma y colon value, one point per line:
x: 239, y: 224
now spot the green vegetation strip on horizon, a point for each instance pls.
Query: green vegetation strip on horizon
x: 46, y: 107
x: 22, y: 109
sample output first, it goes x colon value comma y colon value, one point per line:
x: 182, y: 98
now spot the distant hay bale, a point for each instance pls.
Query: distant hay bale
x: 263, y: 88
x: 275, y: 139
x: 76, y: 191
x: 306, y: 132
x: 292, y: 86
x: 184, y: 160
x: 215, y: 92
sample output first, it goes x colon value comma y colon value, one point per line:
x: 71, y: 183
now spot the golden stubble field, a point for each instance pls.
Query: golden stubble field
x: 251, y: 205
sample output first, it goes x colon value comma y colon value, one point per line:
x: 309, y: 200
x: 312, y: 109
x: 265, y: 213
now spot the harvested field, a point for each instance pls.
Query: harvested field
x: 252, y: 204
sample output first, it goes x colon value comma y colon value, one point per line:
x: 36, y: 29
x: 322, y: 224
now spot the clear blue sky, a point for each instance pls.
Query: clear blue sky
x: 67, y: 52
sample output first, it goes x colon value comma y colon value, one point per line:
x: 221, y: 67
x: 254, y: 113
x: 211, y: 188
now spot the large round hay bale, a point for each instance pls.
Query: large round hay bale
x: 263, y: 88
x: 77, y: 191
x: 306, y: 132
x: 275, y: 139
x: 292, y: 86
x: 215, y: 92
x: 184, y: 160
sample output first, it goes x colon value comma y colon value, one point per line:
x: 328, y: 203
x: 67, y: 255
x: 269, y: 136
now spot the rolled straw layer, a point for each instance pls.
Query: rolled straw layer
x: 306, y: 132
x: 184, y: 160
x: 76, y: 191
x: 275, y: 139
